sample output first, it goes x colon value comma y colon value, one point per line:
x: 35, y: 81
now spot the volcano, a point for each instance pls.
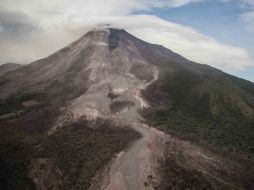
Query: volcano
x: 110, y: 111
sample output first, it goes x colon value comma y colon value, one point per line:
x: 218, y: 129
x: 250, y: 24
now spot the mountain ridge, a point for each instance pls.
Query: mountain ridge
x: 110, y: 82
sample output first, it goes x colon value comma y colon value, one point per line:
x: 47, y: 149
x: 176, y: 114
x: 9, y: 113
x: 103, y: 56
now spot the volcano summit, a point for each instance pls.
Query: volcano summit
x: 110, y: 111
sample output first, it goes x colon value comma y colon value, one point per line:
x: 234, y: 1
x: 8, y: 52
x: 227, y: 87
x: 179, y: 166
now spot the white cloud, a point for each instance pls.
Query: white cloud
x: 61, y: 22
x: 249, y: 16
x: 178, y: 3
x: 185, y: 41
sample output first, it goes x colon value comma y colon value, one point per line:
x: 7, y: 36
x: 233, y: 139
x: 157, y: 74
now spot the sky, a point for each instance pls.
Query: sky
x: 219, y: 33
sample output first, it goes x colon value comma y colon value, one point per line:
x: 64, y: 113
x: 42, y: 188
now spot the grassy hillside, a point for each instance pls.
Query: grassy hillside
x: 243, y: 84
x: 207, y: 106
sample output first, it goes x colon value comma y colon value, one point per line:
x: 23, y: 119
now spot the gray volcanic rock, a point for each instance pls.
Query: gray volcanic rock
x: 74, y: 63
x: 108, y: 51
x: 83, y: 75
x: 111, y: 75
x: 8, y: 67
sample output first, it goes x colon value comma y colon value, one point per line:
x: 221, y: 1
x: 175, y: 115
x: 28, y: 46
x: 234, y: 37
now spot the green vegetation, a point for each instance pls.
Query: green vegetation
x: 243, y: 84
x: 81, y: 151
x: 228, y: 134
x: 14, y: 162
x: 204, y: 107
x: 16, y: 152
x: 14, y: 103
x: 210, y: 108
x: 77, y: 150
x: 18, y: 137
x: 175, y: 176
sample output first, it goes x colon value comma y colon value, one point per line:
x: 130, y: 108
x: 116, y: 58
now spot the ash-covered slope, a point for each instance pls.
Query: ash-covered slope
x: 107, y: 84
x: 98, y: 77
x: 73, y: 63
x: 8, y: 67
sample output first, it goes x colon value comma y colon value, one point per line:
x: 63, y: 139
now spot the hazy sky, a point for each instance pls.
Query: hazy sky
x: 216, y: 32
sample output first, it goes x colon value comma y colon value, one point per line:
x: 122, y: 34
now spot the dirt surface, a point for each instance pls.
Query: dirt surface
x: 135, y: 168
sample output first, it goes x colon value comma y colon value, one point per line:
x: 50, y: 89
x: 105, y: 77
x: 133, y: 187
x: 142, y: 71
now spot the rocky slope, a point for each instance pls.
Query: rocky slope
x: 106, y: 84
x: 8, y: 67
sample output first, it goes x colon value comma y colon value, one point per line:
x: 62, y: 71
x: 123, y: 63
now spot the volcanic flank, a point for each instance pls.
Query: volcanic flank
x: 111, y: 111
